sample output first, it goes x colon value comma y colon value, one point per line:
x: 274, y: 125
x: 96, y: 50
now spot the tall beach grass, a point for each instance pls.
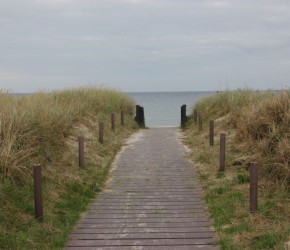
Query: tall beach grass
x: 34, y: 128
x: 257, y: 126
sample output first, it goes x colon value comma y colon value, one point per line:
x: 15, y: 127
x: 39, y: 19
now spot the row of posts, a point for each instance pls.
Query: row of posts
x: 38, y: 201
x: 101, y: 136
x: 197, y: 118
x: 139, y: 118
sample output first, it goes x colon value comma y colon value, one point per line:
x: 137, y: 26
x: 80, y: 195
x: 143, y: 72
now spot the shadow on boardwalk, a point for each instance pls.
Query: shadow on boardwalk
x: 152, y: 200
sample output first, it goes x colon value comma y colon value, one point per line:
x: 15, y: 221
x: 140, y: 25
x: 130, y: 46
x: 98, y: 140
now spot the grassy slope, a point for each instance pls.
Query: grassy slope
x: 44, y: 128
x: 257, y: 128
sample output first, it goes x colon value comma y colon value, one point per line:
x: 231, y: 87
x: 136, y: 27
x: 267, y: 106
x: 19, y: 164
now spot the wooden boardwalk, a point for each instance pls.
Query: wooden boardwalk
x: 152, y: 201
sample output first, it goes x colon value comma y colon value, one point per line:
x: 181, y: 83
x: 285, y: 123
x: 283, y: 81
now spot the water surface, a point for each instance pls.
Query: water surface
x: 163, y: 108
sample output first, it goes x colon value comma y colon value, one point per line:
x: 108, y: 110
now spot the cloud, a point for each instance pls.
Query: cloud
x: 217, y: 4
x: 126, y: 40
x: 135, y: 1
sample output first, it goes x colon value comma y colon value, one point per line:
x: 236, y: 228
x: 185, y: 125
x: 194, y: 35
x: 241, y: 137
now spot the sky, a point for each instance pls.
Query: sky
x: 144, y: 45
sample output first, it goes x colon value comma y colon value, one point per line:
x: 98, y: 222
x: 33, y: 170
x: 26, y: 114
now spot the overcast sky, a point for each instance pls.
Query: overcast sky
x: 144, y: 45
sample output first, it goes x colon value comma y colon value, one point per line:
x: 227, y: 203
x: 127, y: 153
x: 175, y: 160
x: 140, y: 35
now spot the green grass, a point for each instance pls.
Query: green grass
x: 243, y: 226
x: 267, y: 241
x: 30, y: 234
x: 228, y: 206
x: 44, y: 128
x: 242, y: 178
x: 227, y: 244
x: 222, y: 202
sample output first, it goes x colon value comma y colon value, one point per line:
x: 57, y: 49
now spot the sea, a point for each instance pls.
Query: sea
x: 163, y: 109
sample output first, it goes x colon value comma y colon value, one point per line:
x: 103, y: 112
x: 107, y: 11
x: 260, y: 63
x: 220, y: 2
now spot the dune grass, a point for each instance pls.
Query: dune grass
x: 257, y: 129
x: 44, y: 128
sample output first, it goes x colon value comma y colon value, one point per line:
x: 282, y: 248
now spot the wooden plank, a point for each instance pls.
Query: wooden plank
x: 166, y: 195
x: 192, y: 211
x: 95, y: 224
x: 146, y: 208
x: 139, y: 242
x: 175, y: 247
x: 142, y: 230
x: 133, y: 201
x: 145, y: 220
x: 155, y: 235
x: 142, y: 211
x: 113, y: 216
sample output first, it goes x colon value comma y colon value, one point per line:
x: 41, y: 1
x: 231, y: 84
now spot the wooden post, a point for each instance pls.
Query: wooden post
x: 38, y: 205
x: 222, y: 151
x: 101, y: 132
x: 137, y: 117
x: 81, y: 151
x: 142, y: 117
x: 195, y: 116
x: 254, y: 166
x: 122, y: 119
x: 113, y: 122
x: 211, y: 132
x: 183, y: 115
x: 200, y: 120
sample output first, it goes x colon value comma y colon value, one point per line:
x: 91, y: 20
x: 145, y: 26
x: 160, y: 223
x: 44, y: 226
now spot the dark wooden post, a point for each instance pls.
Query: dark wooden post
x: 122, y: 119
x: 195, y: 116
x: 81, y: 151
x: 137, y: 117
x: 38, y: 205
x: 183, y: 115
x: 211, y: 132
x: 200, y: 120
x: 101, y: 132
x: 254, y: 166
x: 181, y: 118
x: 142, y: 117
x: 222, y: 151
x: 113, y: 122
